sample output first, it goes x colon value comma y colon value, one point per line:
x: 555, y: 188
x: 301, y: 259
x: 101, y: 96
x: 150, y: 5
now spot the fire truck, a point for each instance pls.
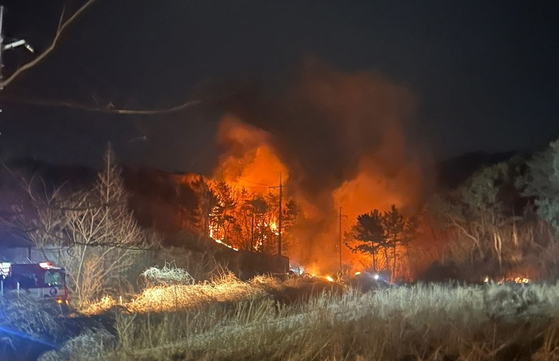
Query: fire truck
x: 42, y: 281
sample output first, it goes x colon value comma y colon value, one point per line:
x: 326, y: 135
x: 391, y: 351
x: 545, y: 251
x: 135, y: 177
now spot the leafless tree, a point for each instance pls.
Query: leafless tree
x: 95, y: 237
x: 106, y: 239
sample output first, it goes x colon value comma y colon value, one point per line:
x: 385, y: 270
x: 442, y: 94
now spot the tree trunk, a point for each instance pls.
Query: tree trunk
x: 252, y: 234
x: 393, y: 263
x: 386, y: 259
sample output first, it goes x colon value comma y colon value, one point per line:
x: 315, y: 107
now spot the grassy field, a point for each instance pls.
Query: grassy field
x: 292, y: 319
x: 267, y: 319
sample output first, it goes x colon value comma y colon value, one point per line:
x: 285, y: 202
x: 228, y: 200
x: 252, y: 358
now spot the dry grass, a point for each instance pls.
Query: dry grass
x: 168, y: 275
x: 178, y: 297
x: 169, y: 297
x: 227, y: 319
x: 232, y: 320
x: 96, y: 307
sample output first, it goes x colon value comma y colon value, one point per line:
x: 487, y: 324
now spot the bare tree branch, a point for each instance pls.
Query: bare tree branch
x: 106, y: 110
x: 62, y: 26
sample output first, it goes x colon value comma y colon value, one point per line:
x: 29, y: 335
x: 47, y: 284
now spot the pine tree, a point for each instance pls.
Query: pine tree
x: 370, y: 235
x: 399, y: 230
x: 393, y: 223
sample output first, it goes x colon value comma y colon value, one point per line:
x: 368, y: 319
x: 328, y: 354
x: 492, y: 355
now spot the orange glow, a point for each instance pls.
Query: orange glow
x: 356, y: 119
x: 251, y: 169
x: 212, y: 236
x: 518, y: 280
x: 250, y: 161
x: 252, y: 164
x: 274, y: 227
x: 329, y: 279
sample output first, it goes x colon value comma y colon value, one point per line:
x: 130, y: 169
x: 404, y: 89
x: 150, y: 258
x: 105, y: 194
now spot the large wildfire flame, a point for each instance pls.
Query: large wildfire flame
x: 340, y: 144
x: 250, y: 161
x: 250, y: 165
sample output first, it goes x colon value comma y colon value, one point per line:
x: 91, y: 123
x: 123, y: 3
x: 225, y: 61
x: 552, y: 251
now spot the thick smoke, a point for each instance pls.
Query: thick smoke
x: 337, y: 136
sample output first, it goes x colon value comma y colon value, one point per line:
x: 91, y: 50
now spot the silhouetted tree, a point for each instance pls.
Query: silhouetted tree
x: 377, y: 231
x: 369, y: 234
x: 292, y: 215
x: 223, y: 213
x: 399, y: 230
x: 207, y: 200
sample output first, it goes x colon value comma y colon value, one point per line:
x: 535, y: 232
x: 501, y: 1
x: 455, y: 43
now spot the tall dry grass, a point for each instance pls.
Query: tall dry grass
x: 169, y: 297
x: 423, y: 322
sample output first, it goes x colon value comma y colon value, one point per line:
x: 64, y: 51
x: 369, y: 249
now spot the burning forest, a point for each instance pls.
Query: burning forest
x: 350, y: 114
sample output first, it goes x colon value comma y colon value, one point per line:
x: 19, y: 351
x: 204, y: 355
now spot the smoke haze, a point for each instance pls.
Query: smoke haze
x: 338, y: 140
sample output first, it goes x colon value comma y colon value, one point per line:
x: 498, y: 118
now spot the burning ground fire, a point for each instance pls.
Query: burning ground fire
x: 517, y: 280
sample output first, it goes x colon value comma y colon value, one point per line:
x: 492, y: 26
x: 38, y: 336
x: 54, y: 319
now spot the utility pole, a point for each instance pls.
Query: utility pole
x: 280, y: 213
x: 1, y: 42
x: 14, y: 43
x: 252, y: 233
x: 340, y: 216
x: 279, y: 217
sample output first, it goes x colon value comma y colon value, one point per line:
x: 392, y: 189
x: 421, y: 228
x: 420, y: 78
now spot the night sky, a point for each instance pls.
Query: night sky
x: 485, y: 73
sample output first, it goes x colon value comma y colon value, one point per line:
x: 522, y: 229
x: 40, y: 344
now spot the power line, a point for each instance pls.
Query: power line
x: 280, y: 186
x: 260, y: 184
x: 245, y: 186
x: 340, y: 216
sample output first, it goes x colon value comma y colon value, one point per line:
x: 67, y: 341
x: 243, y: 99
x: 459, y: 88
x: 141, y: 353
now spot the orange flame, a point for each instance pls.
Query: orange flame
x: 250, y: 161
x: 362, y: 109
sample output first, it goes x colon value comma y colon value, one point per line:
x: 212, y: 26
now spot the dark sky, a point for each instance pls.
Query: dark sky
x: 486, y: 73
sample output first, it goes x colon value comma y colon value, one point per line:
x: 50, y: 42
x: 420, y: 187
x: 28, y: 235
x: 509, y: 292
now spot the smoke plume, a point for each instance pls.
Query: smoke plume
x: 338, y: 140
